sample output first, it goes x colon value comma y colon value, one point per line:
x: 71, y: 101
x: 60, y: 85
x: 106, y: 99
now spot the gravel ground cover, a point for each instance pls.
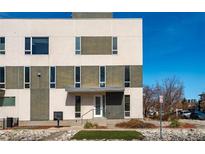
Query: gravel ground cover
x: 174, y: 134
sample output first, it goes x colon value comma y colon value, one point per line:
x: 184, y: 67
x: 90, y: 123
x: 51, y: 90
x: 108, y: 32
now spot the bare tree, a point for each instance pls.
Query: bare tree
x: 171, y: 88
x: 150, y: 97
x: 173, y: 92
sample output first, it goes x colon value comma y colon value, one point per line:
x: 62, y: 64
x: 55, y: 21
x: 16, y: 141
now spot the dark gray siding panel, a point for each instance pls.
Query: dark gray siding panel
x: 115, y: 76
x: 115, y: 105
x: 64, y: 76
x: 92, y: 15
x: 96, y: 45
x: 89, y: 76
x: 14, y: 77
x: 39, y: 104
x: 39, y: 93
x: 136, y: 76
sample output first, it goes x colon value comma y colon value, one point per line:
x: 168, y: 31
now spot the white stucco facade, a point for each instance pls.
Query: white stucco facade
x: 62, y: 33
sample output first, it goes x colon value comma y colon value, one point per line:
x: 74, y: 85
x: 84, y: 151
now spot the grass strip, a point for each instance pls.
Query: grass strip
x: 108, y: 135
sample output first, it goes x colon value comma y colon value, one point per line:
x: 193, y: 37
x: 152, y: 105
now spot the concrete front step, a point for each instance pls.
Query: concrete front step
x: 50, y: 123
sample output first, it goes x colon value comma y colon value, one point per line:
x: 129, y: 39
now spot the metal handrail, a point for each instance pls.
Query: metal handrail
x: 86, y: 114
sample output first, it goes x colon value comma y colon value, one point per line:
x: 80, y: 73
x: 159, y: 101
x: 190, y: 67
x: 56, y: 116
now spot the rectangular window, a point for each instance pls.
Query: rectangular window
x: 127, y: 105
x: 77, y: 106
x: 114, y: 45
x: 77, y: 76
x: 28, y: 45
x: 77, y: 45
x: 27, y: 77
x: 7, y: 101
x: 52, y: 77
x: 127, y: 76
x: 2, y: 77
x: 2, y: 45
x: 102, y: 75
x: 36, y: 45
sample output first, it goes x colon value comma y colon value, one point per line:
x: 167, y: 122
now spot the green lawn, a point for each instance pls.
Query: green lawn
x: 108, y: 135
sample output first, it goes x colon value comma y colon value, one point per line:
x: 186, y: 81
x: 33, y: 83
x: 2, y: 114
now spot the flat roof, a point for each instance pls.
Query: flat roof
x: 93, y: 90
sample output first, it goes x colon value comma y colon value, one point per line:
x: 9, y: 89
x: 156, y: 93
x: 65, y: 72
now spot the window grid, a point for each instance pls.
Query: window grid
x: 127, y: 106
x: 52, y: 82
x: 114, y: 46
x: 2, y: 77
x: 77, y: 106
x: 77, y: 46
x: 127, y: 76
x: 2, y: 45
x: 78, y: 82
x: 27, y: 83
x: 30, y: 50
x: 102, y: 83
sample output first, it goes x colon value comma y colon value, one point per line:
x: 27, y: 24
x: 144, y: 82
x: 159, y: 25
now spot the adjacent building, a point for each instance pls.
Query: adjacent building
x: 88, y: 66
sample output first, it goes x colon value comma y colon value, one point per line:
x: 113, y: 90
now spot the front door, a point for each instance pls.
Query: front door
x: 98, y: 112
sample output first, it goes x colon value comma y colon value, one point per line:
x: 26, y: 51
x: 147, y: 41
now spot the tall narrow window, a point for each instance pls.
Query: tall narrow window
x: 37, y: 45
x: 77, y: 106
x: 127, y: 76
x: 77, y: 76
x: 127, y: 105
x: 2, y: 77
x: 27, y: 45
x: 27, y: 77
x: 114, y: 45
x: 77, y: 45
x: 102, y: 75
x: 52, y: 77
x: 2, y: 45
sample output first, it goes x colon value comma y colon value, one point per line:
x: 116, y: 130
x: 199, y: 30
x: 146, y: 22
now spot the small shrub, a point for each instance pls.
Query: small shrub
x: 135, y: 123
x: 174, y: 123
x: 88, y: 125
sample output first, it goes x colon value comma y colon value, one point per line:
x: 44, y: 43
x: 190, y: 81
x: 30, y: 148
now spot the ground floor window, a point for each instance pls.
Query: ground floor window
x: 127, y: 105
x: 77, y: 106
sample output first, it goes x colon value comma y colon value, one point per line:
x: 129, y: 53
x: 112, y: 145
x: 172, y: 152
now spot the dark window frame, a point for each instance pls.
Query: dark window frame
x: 114, y: 47
x: 102, y: 83
x: 127, y: 81
x: 127, y: 105
x: 3, y: 81
x: 27, y: 83
x: 52, y: 82
x: 77, y: 51
x: 2, y: 51
x: 77, y: 84
x: 77, y: 108
x: 30, y: 51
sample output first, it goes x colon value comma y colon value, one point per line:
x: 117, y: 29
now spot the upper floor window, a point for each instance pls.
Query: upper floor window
x: 127, y: 76
x: 102, y: 75
x: 52, y: 77
x: 2, y: 45
x: 27, y: 77
x: 2, y: 77
x: 114, y: 45
x: 37, y: 45
x: 77, y: 76
x: 77, y: 45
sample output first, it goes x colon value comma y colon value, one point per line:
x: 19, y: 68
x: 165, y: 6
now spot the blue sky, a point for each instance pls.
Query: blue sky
x: 173, y: 45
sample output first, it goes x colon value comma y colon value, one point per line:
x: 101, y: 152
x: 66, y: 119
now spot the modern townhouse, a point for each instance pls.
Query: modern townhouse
x: 88, y: 66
